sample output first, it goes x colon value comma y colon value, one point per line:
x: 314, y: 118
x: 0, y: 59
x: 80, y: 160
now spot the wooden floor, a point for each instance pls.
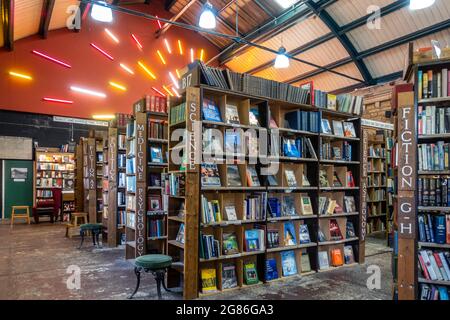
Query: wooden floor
x: 34, y: 261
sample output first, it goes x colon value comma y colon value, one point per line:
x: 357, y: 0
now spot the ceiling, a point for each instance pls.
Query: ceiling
x: 326, y: 33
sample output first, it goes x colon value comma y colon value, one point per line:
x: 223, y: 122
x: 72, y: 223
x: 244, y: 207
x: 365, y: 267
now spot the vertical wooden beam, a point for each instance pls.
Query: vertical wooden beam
x: 112, y: 187
x: 46, y: 15
x: 364, y: 145
x: 407, y: 209
x: 7, y: 16
x: 92, y: 180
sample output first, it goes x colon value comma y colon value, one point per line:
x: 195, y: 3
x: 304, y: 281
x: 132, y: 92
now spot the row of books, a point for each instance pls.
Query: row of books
x: 122, y: 119
x: 336, y: 181
x: 56, y: 158
x: 55, y: 166
x: 432, y: 292
x: 340, y: 128
x: 433, y: 156
x: 121, y: 142
x: 297, y: 148
x: 335, y: 233
x: 255, y: 206
x: 155, y: 227
x: 328, y: 206
x: 50, y: 174
x: 336, y: 151
x: 151, y: 103
x: 433, y: 120
x: 434, y: 228
x: 290, y: 235
x: 433, y: 84
x: 434, y: 265
x: 157, y: 129
x: 44, y: 193
x: 433, y: 191
x: 121, y: 199
x: 375, y: 225
x: 173, y: 184
x: 377, y: 152
x: 286, y: 207
x: 377, y: 195
x: 229, y: 277
x: 156, y: 154
x: 49, y: 182
x: 121, y: 160
x: 210, y: 176
x: 303, y: 120
x: 177, y: 113
x: 377, y: 181
x: 345, y: 102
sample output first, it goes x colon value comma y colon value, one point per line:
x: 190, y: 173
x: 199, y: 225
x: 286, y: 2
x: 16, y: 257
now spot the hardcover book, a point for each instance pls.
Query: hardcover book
x: 290, y: 178
x: 272, y: 180
x: 325, y: 126
x: 335, y: 231
x: 289, y: 234
x: 304, y: 234
x: 306, y: 206
x: 305, y: 263
x: 252, y: 177
x: 336, y: 258
x: 323, y: 260
x: 229, y: 244
x: 233, y: 176
x: 254, y: 116
x: 233, y: 142
x: 254, y: 240
x: 250, y: 273
x: 323, y: 179
x: 288, y: 263
x: 210, y: 175
x: 230, y: 213
x: 209, y: 280
x: 229, y: 279
x: 350, y: 230
x: 348, y: 255
x: 290, y: 148
x: 289, y: 206
x: 156, y: 154
x: 338, y: 129
x: 349, y: 202
x: 210, y: 111
x: 231, y: 114
x: 349, y: 130
x: 271, y: 269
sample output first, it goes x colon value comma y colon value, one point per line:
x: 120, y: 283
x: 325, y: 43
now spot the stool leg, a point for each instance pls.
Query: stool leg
x: 158, y: 284
x: 82, y: 239
x: 164, y: 282
x: 93, y: 237
x: 97, y: 236
x: 137, y: 272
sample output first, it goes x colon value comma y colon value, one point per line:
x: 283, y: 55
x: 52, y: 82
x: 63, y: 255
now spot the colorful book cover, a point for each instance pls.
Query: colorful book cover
x: 304, y: 234
x: 250, y: 274
x: 271, y: 269
x: 209, y: 280
x: 288, y: 263
x: 289, y: 234
x: 210, y: 111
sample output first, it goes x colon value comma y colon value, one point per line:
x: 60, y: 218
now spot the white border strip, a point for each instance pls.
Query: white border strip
x: 81, y: 121
x: 377, y: 124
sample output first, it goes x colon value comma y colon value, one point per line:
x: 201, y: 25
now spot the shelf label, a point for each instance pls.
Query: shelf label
x: 364, y: 172
x: 141, y: 182
x: 91, y: 166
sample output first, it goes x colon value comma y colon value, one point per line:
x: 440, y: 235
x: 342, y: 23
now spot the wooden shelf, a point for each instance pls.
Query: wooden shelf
x: 176, y: 244
x: 434, y: 100
x: 435, y: 282
x: 337, y: 215
x: 440, y: 209
x: 434, y: 245
x: 339, y: 162
x: 332, y: 242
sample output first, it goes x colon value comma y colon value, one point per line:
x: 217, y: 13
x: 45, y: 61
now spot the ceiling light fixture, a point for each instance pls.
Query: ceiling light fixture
x: 57, y: 100
x: 180, y: 47
x: 88, y: 92
x: 207, y: 17
x: 420, y: 4
x: 126, y: 68
x: 117, y: 86
x: 169, y: 49
x: 174, y: 81
x: 51, y: 59
x: 281, y: 61
x: 192, y: 55
x: 202, y: 54
x: 168, y: 91
x: 176, y: 92
x: 157, y: 91
x: 147, y: 70
x: 161, y: 57
x: 103, y: 116
x: 137, y: 41
x: 286, y: 3
x: 102, y: 51
x: 111, y: 35
x: 20, y: 75
x: 101, y: 12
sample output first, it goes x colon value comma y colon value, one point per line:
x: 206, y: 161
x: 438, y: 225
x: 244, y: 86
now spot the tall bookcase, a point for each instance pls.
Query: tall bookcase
x: 430, y: 241
x: 188, y: 197
x: 146, y: 161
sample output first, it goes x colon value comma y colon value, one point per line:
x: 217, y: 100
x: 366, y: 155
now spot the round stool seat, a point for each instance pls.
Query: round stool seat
x: 153, y: 261
x: 90, y: 226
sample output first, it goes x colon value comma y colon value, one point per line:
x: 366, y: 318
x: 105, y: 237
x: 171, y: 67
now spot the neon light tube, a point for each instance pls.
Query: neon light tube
x: 118, y: 86
x: 161, y: 57
x: 180, y: 47
x: 111, y: 35
x: 51, y: 59
x: 126, y: 68
x: 168, y: 91
x: 174, y: 81
x: 88, y: 92
x: 157, y: 91
x: 20, y: 75
x: 102, y: 51
x: 169, y: 49
x: 137, y: 41
x: 57, y: 100
x: 143, y: 66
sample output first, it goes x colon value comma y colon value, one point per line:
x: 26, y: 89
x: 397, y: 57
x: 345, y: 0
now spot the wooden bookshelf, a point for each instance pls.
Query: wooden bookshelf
x: 54, y: 170
x: 146, y: 154
x: 185, y: 207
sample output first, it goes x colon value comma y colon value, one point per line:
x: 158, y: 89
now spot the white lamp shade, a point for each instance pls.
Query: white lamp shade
x: 281, y: 61
x: 420, y: 4
x: 101, y: 13
x: 207, y: 19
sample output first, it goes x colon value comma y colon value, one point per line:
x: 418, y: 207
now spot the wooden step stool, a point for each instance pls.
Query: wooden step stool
x: 15, y: 215
x: 73, y: 228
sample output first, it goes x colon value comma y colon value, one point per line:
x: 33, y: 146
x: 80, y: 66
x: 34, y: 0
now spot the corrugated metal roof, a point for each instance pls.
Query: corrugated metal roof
x: 27, y: 16
x: 346, y: 11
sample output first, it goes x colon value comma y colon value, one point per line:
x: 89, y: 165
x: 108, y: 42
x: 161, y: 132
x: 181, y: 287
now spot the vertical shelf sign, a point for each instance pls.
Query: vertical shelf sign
x: 406, y: 197
x: 141, y: 183
x: 112, y: 187
x: 363, y: 200
x: 92, y: 180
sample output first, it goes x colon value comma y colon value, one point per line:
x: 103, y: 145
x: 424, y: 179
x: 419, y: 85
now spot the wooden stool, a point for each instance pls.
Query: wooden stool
x: 73, y: 228
x: 15, y: 215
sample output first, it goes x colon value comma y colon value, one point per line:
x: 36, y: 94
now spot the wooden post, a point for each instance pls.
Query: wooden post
x: 190, y: 290
x: 112, y: 187
x: 363, y: 195
x: 92, y: 180
x: 407, y: 209
x: 79, y: 191
x: 141, y: 184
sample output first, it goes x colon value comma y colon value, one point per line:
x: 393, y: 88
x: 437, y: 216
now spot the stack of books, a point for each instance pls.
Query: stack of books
x: 433, y: 84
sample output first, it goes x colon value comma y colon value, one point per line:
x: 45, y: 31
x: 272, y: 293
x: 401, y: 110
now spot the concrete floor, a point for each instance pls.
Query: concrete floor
x: 34, y: 261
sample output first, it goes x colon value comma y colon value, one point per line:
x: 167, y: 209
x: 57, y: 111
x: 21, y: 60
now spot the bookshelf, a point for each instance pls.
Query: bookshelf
x: 379, y: 182
x: 146, y: 161
x: 228, y: 223
x: 54, y: 172
x: 430, y: 243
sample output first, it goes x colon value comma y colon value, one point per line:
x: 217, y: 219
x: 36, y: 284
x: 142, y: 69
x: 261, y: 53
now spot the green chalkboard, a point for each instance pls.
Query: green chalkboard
x: 19, y: 191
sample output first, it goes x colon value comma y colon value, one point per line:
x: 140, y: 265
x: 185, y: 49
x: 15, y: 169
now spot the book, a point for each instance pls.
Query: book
x: 304, y: 234
x: 156, y: 154
x: 273, y: 238
x: 233, y: 176
x: 289, y: 234
x: 230, y: 213
x: 229, y: 278
x: 335, y: 231
x: 306, y: 206
x: 180, y: 234
x: 349, y: 130
x: 305, y: 181
x: 209, y: 247
x: 325, y: 127
x: 336, y: 181
x: 271, y: 271
x: 272, y: 180
x: 233, y: 142
x: 350, y: 230
x: 254, y: 116
x: 290, y: 148
x: 305, y: 262
x: 210, y: 175
x: 288, y: 206
x: 231, y: 114
x: 254, y: 240
x: 336, y: 258
x: 250, y: 273
x: 290, y: 178
x: 252, y: 177
x: 338, y: 129
x: 154, y: 203
x: 229, y: 244
x: 288, y: 263
x: 323, y: 260
x: 210, y: 111
x: 349, y: 204
x: 323, y: 179
x: 348, y: 255
x: 209, y: 280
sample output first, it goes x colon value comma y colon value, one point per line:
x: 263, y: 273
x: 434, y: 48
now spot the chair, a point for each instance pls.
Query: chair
x: 95, y: 229
x: 77, y: 219
x: 16, y: 215
x: 157, y: 264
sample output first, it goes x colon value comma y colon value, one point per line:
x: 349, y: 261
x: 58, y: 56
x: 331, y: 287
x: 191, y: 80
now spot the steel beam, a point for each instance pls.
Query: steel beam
x: 7, y: 17
x: 46, y: 15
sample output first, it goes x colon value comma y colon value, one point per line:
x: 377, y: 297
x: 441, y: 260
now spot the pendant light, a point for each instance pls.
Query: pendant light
x: 420, y: 4
x: 101, y: 13
x: 281, y: 61
x: 207, y: 17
